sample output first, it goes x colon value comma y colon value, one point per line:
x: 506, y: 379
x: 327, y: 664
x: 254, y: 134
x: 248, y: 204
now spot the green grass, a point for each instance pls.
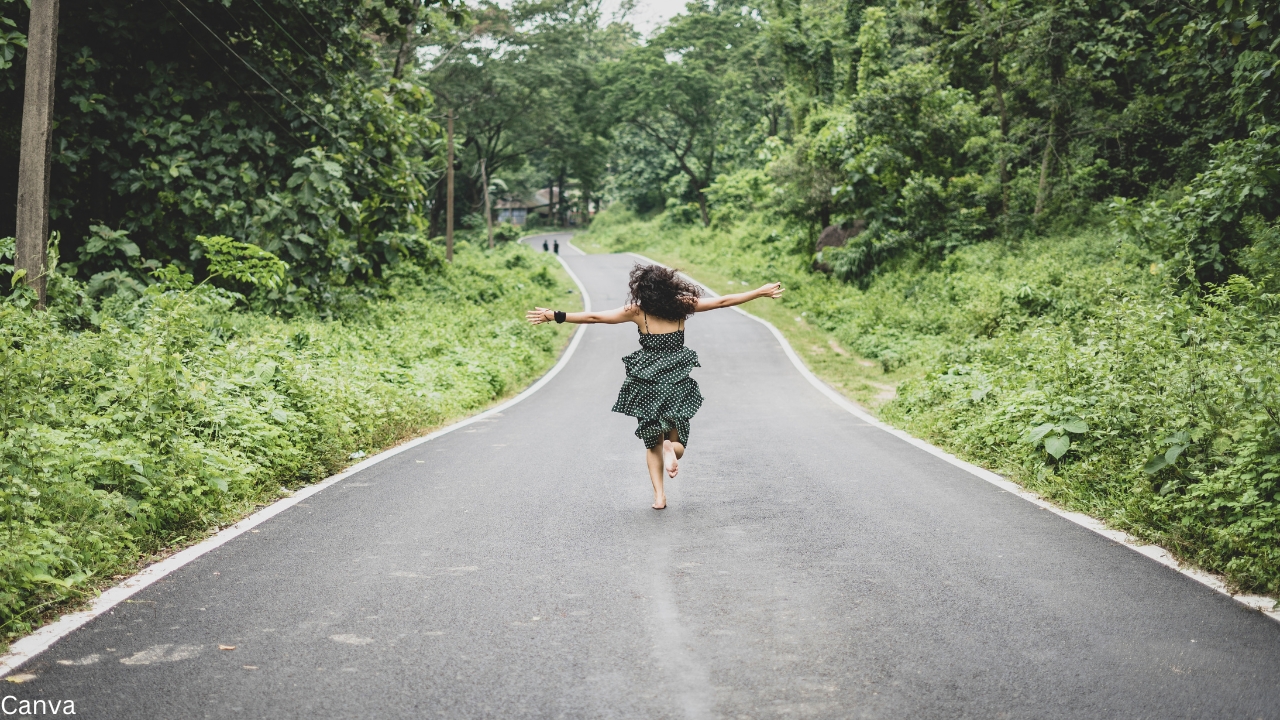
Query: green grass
x: 174, y: 414
x: 1071, y: 364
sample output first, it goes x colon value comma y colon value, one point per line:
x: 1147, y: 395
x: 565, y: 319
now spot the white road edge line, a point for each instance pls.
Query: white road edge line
x: 1261, y: 603
x: 37, y: 642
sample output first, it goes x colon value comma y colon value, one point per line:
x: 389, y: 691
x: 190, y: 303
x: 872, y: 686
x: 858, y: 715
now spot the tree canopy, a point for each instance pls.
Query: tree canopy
x: 313, y: 130
x: 278, y: 122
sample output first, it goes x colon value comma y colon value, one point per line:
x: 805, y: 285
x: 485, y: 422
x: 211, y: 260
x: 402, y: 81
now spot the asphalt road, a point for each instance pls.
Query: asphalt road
x: 809, y: 565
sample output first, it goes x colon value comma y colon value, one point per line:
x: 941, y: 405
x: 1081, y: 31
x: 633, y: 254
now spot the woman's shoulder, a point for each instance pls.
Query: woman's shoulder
x: 631, y: 313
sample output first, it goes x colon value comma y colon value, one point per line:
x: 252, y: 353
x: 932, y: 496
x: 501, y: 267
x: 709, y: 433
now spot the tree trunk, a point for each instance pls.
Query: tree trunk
x: 1057, y: 71
x: 702, y: 195
x: 402, y: 57
x: 997, y: 82
x: 488, y: 215
x: 551, y: 202
x: 561, y: 215
x: 32, y: 232
x: 1045, y: 162
x: 448, y: 206
x: 406, y: 46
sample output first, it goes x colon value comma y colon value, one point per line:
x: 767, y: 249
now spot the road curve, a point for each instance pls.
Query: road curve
x: 809, y: 565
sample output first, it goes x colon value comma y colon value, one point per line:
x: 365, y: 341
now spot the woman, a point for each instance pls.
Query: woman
x: 658, y: 391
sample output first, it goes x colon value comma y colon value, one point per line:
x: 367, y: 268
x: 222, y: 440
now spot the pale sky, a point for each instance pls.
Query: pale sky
x: 648, y: 14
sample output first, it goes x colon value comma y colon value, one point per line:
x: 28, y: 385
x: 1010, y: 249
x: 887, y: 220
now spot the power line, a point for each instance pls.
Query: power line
x: 287, y: 75
x: 306, y: 20
x: 288, y: 133
x: 286, y: 98
x: 288, y: 35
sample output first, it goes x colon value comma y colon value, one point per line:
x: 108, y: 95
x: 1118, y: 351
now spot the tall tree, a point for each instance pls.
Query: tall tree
x: 694, y: 91
x: 519, y: 78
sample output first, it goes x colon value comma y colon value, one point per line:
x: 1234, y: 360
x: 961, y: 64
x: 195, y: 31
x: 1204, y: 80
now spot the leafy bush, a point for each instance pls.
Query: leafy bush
x: 1203, y: 233
x: 171, y: 412
x: 898, y: 152
x: 242, y: 262
x: 506, y: 232
x: 1158, y: 413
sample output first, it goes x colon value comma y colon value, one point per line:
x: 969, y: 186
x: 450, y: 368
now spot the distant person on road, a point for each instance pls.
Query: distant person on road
x: 557, y: 246
x: 544, y: 246
x: 658, y: 391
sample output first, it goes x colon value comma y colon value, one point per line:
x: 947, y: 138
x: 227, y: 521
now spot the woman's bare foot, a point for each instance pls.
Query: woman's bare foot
x: 669, y: 458
x: 660, y: 503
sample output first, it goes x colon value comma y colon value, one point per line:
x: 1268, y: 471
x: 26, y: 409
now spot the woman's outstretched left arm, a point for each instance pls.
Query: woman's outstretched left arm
x: 772, y: 291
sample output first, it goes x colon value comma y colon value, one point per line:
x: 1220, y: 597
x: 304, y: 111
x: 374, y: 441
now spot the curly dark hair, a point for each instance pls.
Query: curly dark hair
x: 662, y: 293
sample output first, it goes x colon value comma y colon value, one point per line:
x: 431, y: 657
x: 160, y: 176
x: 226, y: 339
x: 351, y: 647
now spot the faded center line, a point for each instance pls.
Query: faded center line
x: 688, y: 679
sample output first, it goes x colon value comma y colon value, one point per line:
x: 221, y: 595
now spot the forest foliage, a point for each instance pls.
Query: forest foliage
x: 281, y: 123
x: 918, y: 126
x: 921, y: 127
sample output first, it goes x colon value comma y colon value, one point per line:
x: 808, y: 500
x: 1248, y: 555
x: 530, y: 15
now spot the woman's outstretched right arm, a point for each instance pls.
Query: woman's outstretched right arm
x: 537, y: 316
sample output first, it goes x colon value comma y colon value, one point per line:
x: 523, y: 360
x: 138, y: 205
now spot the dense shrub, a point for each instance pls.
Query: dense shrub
x: 173, y: 411
x: 1156, y: 413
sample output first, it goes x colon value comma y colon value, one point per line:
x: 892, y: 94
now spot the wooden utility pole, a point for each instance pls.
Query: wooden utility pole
x: 37, y: 145
x: 488, y: 215
x: 448, y: 210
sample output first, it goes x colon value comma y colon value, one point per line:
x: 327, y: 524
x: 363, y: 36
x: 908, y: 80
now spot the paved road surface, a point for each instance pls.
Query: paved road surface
x: 809, y: 565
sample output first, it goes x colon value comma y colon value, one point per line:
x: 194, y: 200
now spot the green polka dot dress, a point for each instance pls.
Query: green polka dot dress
x: 658, y: 391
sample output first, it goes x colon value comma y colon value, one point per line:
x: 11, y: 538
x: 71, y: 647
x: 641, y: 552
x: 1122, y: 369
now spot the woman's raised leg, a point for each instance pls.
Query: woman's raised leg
x: 653, y: 458
x: 672, y: 451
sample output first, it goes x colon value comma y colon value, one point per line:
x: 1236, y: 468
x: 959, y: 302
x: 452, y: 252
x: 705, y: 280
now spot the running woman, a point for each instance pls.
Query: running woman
x: 658, y: 391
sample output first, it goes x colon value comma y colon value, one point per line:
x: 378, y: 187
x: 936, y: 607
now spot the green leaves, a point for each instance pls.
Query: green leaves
x: 106, y: 242
x: 156, y: 145
x: 1057, y: 445
x: 1074, y: 425
x: 899, y: 157
x: 1055, y: 436
x: 1177, y: 443
x: 243, y: 262
x: 10, y: 41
